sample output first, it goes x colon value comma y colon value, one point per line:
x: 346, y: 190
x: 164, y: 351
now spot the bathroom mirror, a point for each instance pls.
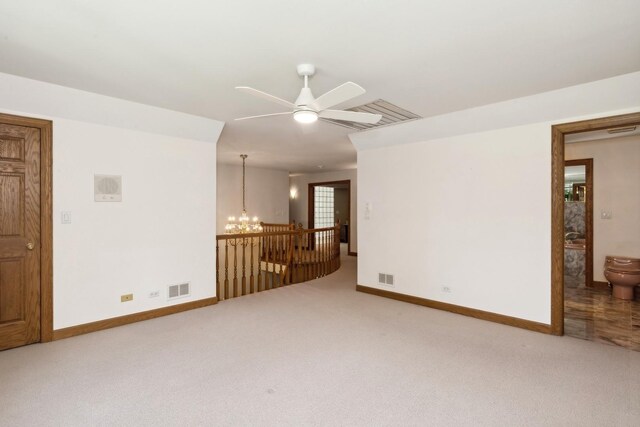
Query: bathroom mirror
x: 575, y: 187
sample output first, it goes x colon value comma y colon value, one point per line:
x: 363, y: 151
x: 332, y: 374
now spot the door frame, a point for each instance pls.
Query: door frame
x: 557, y: 203
x: 311, y: 205
x: 46, y: 215
x: 588, y: 167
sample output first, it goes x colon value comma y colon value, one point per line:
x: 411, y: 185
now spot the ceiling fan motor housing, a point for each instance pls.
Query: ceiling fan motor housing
x: 305, y: 99
x: 306, y: 70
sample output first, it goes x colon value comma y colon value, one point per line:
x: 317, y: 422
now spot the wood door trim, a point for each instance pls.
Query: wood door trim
x: 46, y: 212
x: 311, y: 201
x: 113, y: 322
x: 557, y: 203
x: 588, y: 166
x: 458, y: 309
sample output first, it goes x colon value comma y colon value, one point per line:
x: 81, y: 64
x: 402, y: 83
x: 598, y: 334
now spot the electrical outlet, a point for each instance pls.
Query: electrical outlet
x: 446, y: 289
x: 154, y: 294
x: 126, y: 297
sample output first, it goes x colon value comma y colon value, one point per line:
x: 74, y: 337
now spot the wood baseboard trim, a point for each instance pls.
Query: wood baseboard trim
x: 599, y: 285
x: 465, y: 311
x: 113, y: 322
x: 353, y: 253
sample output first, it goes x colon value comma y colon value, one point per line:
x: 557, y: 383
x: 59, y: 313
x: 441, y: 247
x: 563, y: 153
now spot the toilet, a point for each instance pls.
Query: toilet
x: 624, y: 274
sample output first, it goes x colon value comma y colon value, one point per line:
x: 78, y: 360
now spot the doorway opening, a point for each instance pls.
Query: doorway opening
x: 329, y: 203
x: 590, y: 169
x: 578, y: 223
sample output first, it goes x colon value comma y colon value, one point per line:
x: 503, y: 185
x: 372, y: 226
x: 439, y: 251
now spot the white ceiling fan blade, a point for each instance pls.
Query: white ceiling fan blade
x: 264, y: 115
x: 264, y: 95
x: 340, y: 94
x: 351, y: 116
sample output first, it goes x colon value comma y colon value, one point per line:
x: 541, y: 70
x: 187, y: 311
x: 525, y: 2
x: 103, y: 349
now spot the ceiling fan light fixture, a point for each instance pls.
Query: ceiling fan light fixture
x: 305, y: 116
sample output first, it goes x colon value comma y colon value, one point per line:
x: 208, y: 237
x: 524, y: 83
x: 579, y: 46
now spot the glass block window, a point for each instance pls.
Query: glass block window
x: 324, y: 215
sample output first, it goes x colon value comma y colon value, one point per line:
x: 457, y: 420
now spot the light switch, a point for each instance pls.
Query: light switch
x: 66, y: 217
x: 605, y: 214
x: 367, y: 210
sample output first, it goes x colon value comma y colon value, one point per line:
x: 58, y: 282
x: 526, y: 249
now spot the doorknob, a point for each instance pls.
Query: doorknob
x: 30, y: 246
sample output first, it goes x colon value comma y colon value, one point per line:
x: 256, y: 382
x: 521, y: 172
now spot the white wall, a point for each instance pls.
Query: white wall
x: 299, y: 206
x: 616, y: 172
x: 464, y: 201
x: 471, y: 213
x: 267, y: 194
x: 161, y: 233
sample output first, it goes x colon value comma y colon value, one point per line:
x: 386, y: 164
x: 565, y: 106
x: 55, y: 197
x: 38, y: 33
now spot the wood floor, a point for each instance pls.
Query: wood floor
x: 593, y: 314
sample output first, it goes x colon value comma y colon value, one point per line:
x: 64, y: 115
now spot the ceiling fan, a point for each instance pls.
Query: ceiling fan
x: 307, y: 109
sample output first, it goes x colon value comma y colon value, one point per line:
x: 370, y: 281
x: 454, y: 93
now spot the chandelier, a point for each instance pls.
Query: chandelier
x: 243, y: 224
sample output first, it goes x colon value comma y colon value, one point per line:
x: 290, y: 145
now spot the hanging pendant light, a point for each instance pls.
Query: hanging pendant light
x: 243, y: 224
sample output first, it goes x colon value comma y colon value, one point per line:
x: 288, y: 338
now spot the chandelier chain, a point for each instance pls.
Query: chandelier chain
x: 244, y: 156
x: 243, y: 224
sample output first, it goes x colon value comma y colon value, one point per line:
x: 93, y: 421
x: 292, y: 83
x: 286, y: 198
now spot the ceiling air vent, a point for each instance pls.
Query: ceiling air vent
x: 391, y: 115
x: 622, y: 130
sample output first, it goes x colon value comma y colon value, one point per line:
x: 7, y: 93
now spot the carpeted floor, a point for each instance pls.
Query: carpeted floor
x: 319, y: 353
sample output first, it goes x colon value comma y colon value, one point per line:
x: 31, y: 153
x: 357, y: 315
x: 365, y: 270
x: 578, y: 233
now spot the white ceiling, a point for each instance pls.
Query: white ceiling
x: 429, y: 57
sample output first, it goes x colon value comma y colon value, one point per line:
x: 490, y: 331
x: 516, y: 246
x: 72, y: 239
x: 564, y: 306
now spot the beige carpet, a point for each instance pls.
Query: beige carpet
x: 319, y: 353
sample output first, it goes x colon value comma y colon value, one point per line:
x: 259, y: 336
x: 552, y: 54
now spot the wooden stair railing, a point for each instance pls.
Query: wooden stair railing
x: 279, y: 255
x: 276, y: 256
x: 269, y: 228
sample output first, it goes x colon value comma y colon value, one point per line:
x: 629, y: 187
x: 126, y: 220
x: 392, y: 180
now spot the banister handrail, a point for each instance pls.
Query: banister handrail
x: 277, y: 224
x: 272, y: 233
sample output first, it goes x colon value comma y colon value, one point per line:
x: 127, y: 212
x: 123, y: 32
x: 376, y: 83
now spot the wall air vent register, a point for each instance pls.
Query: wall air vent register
x: 385, y: 279
x: 179, y: 291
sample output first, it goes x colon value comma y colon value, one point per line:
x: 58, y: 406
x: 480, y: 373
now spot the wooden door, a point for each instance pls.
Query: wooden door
x: 19, y: 235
